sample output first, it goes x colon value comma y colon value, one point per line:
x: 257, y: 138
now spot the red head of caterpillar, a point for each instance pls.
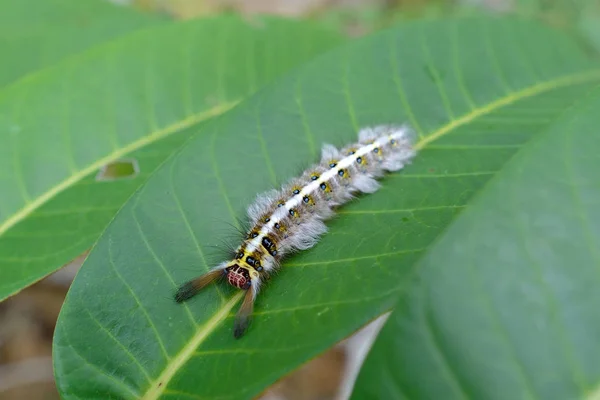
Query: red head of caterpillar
x: 238, y: 277
x: 292, y: 218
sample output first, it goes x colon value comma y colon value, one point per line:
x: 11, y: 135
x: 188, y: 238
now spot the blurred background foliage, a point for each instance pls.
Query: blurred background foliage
x: 582, y: 17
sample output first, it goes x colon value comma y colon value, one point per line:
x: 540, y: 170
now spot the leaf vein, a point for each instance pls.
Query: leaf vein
x: 111, y: 262
x: 160, y: 263
x: 395, y: 67
x: 304, y: 117
x: 118, y: 342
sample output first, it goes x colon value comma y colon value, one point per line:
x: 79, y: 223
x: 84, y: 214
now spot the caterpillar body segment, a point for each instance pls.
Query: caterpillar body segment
x: 292, y: 218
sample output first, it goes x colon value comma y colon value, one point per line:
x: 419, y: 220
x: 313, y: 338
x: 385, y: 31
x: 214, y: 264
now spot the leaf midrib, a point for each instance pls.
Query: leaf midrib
x: 187, y: 122
x: 159, y: 385
x: 509, y: 99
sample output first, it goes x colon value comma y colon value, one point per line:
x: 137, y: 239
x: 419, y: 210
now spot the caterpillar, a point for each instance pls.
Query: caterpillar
x: 292, y: 218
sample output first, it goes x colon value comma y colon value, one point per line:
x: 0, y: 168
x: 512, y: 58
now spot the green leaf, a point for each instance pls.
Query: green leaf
x: 476, y: 90
x: 136, y: 98
x: 38, y: 33
x: 505, y: 304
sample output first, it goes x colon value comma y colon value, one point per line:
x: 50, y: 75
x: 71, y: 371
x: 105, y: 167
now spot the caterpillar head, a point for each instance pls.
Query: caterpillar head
x: 238, y: 276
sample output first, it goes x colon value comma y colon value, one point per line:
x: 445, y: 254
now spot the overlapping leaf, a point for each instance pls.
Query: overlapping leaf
x: 132, y: 98
x: 475, y: 90
x: 505, y: 304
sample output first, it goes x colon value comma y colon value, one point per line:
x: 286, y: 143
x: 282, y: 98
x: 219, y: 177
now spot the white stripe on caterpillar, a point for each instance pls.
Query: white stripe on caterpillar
x: 292, y: 218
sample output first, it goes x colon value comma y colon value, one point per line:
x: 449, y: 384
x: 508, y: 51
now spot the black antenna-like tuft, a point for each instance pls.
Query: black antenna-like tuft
x: 185, y: 292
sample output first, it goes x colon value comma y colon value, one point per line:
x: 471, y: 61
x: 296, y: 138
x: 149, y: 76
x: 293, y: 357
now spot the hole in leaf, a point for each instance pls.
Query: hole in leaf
x: 119, y: 169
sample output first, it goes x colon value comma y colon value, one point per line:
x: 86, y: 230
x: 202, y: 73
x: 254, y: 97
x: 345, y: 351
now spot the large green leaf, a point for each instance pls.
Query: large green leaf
x: 38, y: 33
x: 135, y: 97
x: 505, y: 304
x: 476, y: 91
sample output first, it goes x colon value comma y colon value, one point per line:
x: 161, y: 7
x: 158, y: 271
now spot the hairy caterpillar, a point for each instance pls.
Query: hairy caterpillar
x: 292, y: 218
